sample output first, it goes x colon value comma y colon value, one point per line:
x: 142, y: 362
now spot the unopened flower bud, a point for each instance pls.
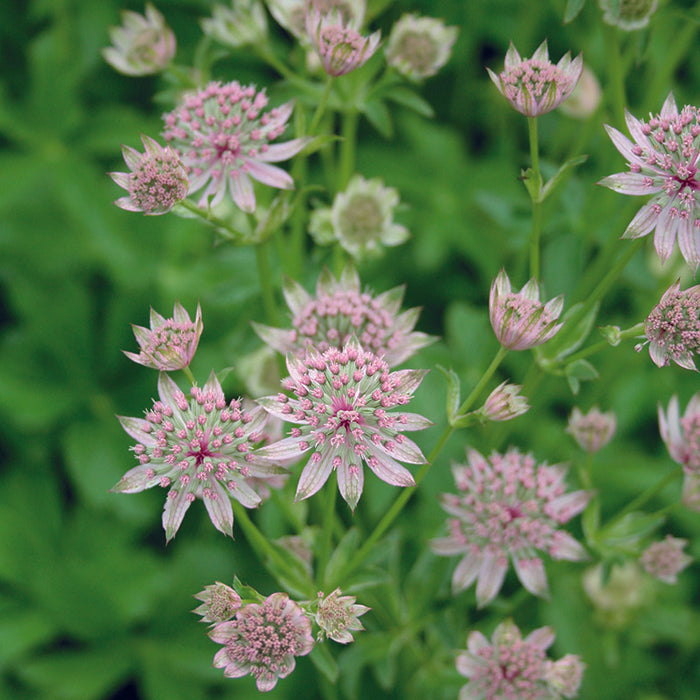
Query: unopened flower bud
x: 593, y: 430
x: 504, y: 403
x: 219, y: 603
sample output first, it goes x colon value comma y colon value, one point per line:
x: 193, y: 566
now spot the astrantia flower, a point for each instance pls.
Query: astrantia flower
x: 219, y: 603
x: 263, y: 640
x: 341, y: 310
x: 170, y: 343
x: 505, y: 403
x: 666, y: 559
x: 244, y: 24
x: 512, y: 668
x: 341, y: 48
x: 419, y: 46
x: 682, y: 435
x: 291, y: 14
x: 361, y: 218
x: 585, y: 98
x: 157, y: 181
x: 342, y: 409
x: 142, y: 45
x: 663, y: 162
x: 337, y: 616
x: 224, y: 139
x: 197, y: 448
x: 535, y: 85
x: 508, y: 508
x: 518, y: 319
x: 673, y: 327
x: 593, y: 430
x: 618, y: 594
x: 628, y: 15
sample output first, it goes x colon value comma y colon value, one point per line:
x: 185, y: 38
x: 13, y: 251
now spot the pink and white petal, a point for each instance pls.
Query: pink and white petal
x: 127, y: 204
x: 219, y: 508
x: 139, y: 429
x: 466, y: 572
x: 295, y: 295
x: 122, y: 179
x: 658, y: 354
x: 543, y: 638
x: 542, y: 53
x: 142, y: 335
x: 665, y: 235
x: 221, y: 633
x: 669, y: 108
x: 448, y: 546
x: 288, y: 448
x: 644, y: 221
x: 174, y: 511
x: 403, y: 449
x: 512, y: 57
x: 314, y: 475
x: 236, y: 670
x: 244, y: 494
x: 532, y: 576
x: 140, y: 359
x: 283, y: 113
x: 212, y: 386
x: 491, y: 576
x: 270, y: 175
x: 564, y: 546
x: 635, y: 127
x: 136, y: 480
x: 283, y: 151
x: 624, y: 146
x: 689, y: 241
x: 409, y: 379
x: 476, y: 642
x: 496, y: 80
x: 564, y: 507
x: 242, y: 193
x: 388, y: 469
x: 132, y: 157
x: 636, y: 184
x: 351, y: 481
x: 169, y: 392
x: 277, y: 338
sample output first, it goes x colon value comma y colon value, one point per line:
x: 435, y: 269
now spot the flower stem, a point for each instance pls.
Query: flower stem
x: 347, y: 148
x: 264, y: 273
x: 405, y: 495
x: 326, y: 532
x: 211, y: 219
x: 189, y: 375
x: 632, y: 332
x: 321, y: 106
x: 536, y: 205
x: 616, y: 72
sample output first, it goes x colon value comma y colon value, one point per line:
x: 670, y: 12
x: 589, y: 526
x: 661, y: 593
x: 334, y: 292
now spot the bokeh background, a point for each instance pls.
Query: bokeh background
x: 92, y: 603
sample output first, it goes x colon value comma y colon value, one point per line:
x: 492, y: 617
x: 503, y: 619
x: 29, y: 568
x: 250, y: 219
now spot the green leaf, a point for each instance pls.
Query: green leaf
x: 568, y: 339
x: 407, y: 98
x: 579, y: 371
x: 624, y: 535
x: 533, y: 184
x: 558, y: 177
x: 323, y: 660
x: 453, y: 391
x: 378, y: 116
x: 573, y: 7
x: 340, y: 557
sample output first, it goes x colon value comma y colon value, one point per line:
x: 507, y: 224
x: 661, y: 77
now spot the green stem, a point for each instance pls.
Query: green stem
x: 347, y: 148
x: 189, y: 375
x: 406, y: 493
x: 632, y: 332
x: 616, y: 72
x: 326, y: 533
x: 321, y: 106
x: 211, y: 219
x: 265, y: 275
x: 536, y: 205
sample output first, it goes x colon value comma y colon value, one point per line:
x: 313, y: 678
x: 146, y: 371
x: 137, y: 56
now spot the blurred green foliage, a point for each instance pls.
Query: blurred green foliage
x: 92, y: 604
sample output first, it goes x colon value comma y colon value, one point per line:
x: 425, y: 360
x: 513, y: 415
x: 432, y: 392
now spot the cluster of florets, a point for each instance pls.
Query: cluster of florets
x: 225, y: 138
x: 535, y: 85
x: 663, y: 162
x: 341, y: 310
x: 665, y: 559
x: 342, y: 411
x: 508, y: 508
x: 219, y: 603
x: 512, y: 668
x: 673, y: 327
x: 203, y: 447
x: 337, y: 616
x: 593, y: 430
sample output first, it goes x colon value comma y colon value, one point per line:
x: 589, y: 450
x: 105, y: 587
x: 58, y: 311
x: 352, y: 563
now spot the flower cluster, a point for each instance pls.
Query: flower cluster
x: 508, y: 508
x: 170, y: 344
x: 341, y: 310
x: 535, y: 85
x: 157, y: 181
x: 342, y: 411
x: 201, y: 448
x: 518, y: 319
x: 337, y: 615
x: 512, y: 668
x: 219, y: 603
x: 628, y: 15
x: 663, y: 162
x: 666, y: 559
x: 263, y: 640
x: 593, y: 430
x: 225, y: 138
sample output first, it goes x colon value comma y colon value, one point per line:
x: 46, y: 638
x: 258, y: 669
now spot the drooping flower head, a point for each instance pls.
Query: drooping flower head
x: 291, y: 14
x: 518, y: 319
x: 263, y: 641
x: 663, y: 162
x: 225, y: 138
x: 535, y: 85
x: 593, y: 430
x: 244, y: 24
x: 628, y: 15
x: 337, y: 616
x: 505, y: 403
x: 673, y: 327
x: 341, y: 310
x: 342, y: 408
x: 419, y: 46
x: 361, y: 218
x: 512, y: 668
x: 665, y: 559
x: 142, y: 45
x: 219, y: 603
x: 682, y: 435
x: 341, y: 48
x: 157, y: 181
x: 197, y: 448
x: 508, y: 508
x: 170, y: 343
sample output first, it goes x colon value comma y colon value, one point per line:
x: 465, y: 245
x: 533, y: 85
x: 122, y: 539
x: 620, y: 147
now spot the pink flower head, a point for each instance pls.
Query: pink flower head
x: 198, y: 448
x: 518, y: 319
x: 666, y: 559
x: 157, y: 181
x: 535, y: 85
x: 508, y: 507
x: 505, y: 403
x: 663, y: 162
x: 673, y: 327
x: 337, y: 616
x: 142, y: 45
x: 340, y: 47
x: 342, y: 410
x: 171, y: 343
x: 225, y: 138
x: 341, y: 310
x: 593, y: 430
x: 263, y: 641
x: 682, y: 435
x: 512, y: 668
x: 219, y: 603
